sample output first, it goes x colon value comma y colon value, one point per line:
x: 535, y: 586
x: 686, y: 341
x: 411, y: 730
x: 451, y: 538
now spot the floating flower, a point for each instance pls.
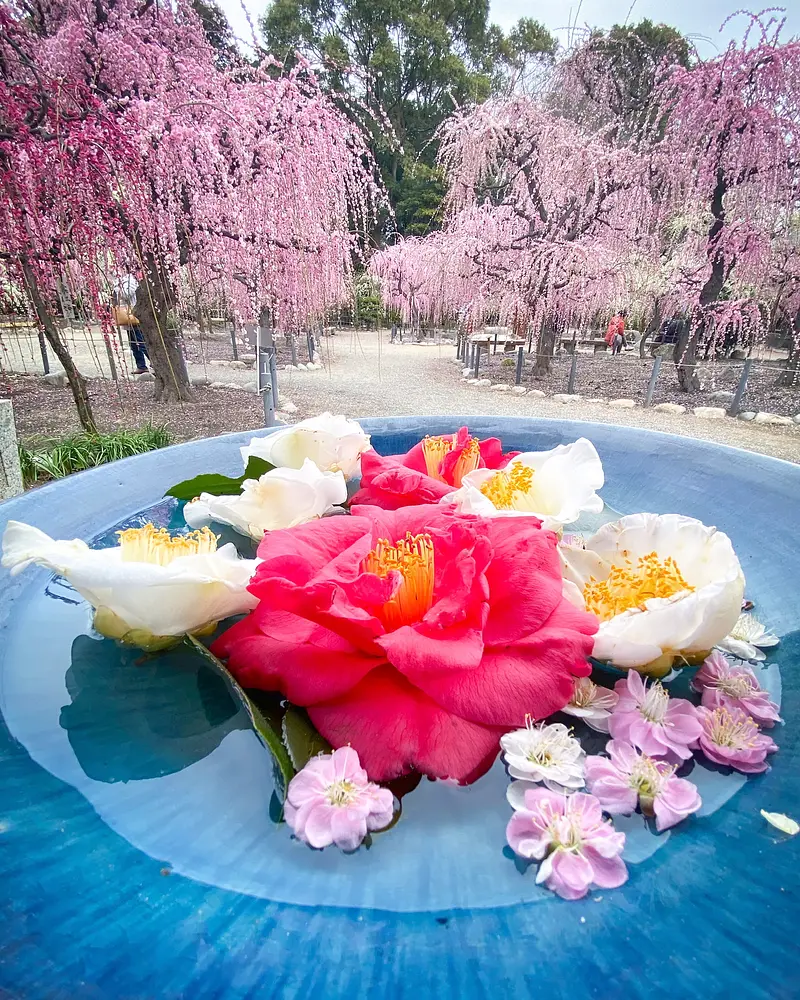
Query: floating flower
x: 591, y: 703
x: 666, y: 589
x: 281, y: 498
x: 333, y: 443
x: 556, y: 486
x: 568, y: 834
x: 747, y: 638
x: 729, y: 736
x: 626, y: 778
x: 725, y: 686
x: 648, y: 718
x: 332, y: 801
x: 418, y: 636
x: 545, y: 753
x: 150, y: 589
x: 428, y: 472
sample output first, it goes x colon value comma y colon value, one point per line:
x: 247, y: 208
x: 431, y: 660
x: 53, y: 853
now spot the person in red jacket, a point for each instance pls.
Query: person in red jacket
x: 615, y: 334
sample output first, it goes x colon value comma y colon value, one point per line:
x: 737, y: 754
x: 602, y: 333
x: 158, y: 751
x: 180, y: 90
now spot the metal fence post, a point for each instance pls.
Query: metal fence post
x: 520, y: 361
x: 495, y: 345
x: 477, y: 360
x: 651, y: 385
x: 572, y: 370
x: 736, y: 402
x: 43, y: 349
x: 267, y: 374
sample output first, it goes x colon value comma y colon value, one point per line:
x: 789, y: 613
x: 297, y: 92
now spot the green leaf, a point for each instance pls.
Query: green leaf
x: 265, y: 732
x: 216, y: 484
x: 300, y: 737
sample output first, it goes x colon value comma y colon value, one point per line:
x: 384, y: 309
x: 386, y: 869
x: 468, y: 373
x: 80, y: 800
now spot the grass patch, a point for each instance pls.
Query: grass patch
x: 85, y: 451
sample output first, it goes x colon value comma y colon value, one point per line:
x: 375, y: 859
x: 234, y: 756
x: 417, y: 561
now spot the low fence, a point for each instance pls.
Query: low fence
x: 749, y: 384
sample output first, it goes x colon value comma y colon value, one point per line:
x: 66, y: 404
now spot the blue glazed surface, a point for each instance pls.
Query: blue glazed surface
x: 145, y: 771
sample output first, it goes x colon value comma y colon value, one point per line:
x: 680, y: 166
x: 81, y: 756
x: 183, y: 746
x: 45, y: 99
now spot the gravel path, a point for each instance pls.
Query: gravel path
x: 364, y: 376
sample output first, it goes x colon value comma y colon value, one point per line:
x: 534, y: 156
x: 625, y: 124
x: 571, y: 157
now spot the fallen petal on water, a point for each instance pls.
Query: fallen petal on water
x: 782, y: 822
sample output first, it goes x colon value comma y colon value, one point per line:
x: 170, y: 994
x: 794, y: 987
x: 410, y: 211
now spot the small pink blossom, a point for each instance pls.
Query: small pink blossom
x: 649, y: 719
x: 568, y: 834
x: 591, y: 703
x: 331, y: 801
x: 729, y: 736
x: 629, y: 778
x: 725, y: 686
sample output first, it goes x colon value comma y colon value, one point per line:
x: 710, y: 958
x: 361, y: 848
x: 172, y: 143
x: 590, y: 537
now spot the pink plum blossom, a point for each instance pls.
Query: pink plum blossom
x: 627, y: 777
x: 591, y: 703
x: 331, y: 801
x: 725, y: 686
x: 568, y: 834
x: 729, y: 736
x: 649, y: 719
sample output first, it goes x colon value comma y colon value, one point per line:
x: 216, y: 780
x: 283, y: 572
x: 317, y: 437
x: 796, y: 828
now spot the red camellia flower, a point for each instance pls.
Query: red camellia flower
x: 430, y: 470
x: 417, y: 636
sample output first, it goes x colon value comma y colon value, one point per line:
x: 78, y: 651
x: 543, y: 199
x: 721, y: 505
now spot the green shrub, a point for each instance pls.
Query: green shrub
x: 84, y: 451
x: 508, y: 363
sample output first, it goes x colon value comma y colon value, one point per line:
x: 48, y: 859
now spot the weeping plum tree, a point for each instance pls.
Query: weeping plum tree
x: 245, y: 177
x: 540, y: 217
x: 731, y: 148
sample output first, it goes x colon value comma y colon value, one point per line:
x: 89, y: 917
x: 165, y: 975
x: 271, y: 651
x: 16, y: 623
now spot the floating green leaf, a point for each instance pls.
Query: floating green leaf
x: 269, y: 736
x: 300, y: 737
x: 783, y: 823
x: 216, y: 484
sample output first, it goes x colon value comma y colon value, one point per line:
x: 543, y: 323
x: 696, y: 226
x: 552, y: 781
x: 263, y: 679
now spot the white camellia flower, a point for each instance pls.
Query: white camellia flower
x: 666, y: 589
x: 280, y: 498
x: 545, y: 753
x: 747, y: 638
x: 150, y: 589
x: 333, y: 443
x: 556, y: 486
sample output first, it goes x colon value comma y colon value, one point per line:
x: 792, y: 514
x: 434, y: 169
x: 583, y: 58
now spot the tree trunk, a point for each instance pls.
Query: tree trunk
x: 790, y: 377
x: 545, y: 348
x: 172, y: 379
x: 77, y: 383
x: 686, y: 348
x: 652, y: 328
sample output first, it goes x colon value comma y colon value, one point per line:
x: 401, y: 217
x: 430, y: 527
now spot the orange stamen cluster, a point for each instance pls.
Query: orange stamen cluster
x: 630, y: 586
x: 149, y: 544
x: 412, y: 558
x: 435, y: 448
x: 503, y: 487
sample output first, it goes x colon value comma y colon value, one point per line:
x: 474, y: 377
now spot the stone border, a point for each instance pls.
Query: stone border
x: 703, y: 412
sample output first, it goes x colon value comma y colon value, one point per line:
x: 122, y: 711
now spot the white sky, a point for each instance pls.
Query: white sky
x: 701, y: 19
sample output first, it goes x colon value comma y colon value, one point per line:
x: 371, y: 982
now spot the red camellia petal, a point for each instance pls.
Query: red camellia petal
x: 432, y: 693
x: 396, y: 481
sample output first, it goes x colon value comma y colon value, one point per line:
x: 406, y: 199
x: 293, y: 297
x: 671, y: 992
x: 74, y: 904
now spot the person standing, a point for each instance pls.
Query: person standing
x: 615, y: 334
x: 125, y: 318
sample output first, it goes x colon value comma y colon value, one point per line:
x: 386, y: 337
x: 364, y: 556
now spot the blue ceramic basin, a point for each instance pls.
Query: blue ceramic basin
x: 138, y: 858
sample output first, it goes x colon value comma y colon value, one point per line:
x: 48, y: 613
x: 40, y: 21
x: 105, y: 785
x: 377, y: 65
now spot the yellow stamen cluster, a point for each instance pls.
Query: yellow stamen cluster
x: 412, y: 558
x: 738, y: 732
x: 341, y: 793
x: 156, y: 546
x: 504, y: 486
x: 434, y: 449
x: 630, y: 586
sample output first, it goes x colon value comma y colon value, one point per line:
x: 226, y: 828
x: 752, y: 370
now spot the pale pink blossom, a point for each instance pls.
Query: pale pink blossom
x: 729, y: 736
x: 331, y: 801
x: 627, y: 778
x: 591, y: 703
x: 568, y: 834
x: 648, y: 718
x: 725, y: 686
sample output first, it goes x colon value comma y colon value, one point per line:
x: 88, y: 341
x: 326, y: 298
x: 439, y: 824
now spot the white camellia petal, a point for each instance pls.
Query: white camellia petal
x: 333, y: 443
x: 562, y: 487
x: 280, y: 498
x: 684, y: 625
x: 186, y: 595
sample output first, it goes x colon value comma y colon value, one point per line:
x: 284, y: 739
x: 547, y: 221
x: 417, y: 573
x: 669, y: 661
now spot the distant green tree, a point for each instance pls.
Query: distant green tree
x: 402, y: 68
